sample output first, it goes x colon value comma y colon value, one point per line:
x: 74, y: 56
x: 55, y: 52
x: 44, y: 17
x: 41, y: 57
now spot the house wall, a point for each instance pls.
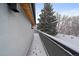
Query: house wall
x: 15, y: 32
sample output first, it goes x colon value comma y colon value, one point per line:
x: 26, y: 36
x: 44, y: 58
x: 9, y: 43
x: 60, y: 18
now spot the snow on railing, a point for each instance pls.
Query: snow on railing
x: 71, y: 46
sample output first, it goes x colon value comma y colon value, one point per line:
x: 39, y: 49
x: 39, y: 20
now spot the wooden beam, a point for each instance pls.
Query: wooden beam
x: 28, y: 12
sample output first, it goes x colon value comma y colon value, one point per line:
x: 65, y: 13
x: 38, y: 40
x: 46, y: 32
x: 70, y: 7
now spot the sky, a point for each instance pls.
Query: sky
x: 70, y: 9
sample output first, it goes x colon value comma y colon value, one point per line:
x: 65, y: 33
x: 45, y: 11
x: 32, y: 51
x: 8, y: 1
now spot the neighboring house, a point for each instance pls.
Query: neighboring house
x: 16, y: 33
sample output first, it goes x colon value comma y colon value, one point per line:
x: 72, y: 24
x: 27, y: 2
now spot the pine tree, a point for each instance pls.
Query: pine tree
x: 46, y: 20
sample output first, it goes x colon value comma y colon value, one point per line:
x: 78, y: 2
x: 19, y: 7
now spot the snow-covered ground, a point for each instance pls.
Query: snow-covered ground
x: 69, y: 40
x: 37, y: 48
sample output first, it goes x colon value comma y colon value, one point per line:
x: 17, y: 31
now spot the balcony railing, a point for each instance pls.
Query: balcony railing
x: 54, y: 47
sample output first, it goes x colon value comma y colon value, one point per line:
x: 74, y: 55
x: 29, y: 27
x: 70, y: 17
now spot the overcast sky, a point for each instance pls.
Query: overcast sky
x: 71, y: 9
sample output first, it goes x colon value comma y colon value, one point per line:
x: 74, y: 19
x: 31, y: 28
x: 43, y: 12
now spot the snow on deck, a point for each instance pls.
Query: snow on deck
x: 37, y: 48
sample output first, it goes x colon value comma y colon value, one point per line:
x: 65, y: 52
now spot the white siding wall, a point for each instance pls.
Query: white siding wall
x: 15, y: 32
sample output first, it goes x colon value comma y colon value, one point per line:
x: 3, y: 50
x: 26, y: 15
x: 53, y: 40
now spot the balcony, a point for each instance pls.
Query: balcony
x: 52, y: 46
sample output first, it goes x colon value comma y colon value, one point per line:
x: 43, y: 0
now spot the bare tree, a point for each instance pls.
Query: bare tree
x: 68, y: 25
